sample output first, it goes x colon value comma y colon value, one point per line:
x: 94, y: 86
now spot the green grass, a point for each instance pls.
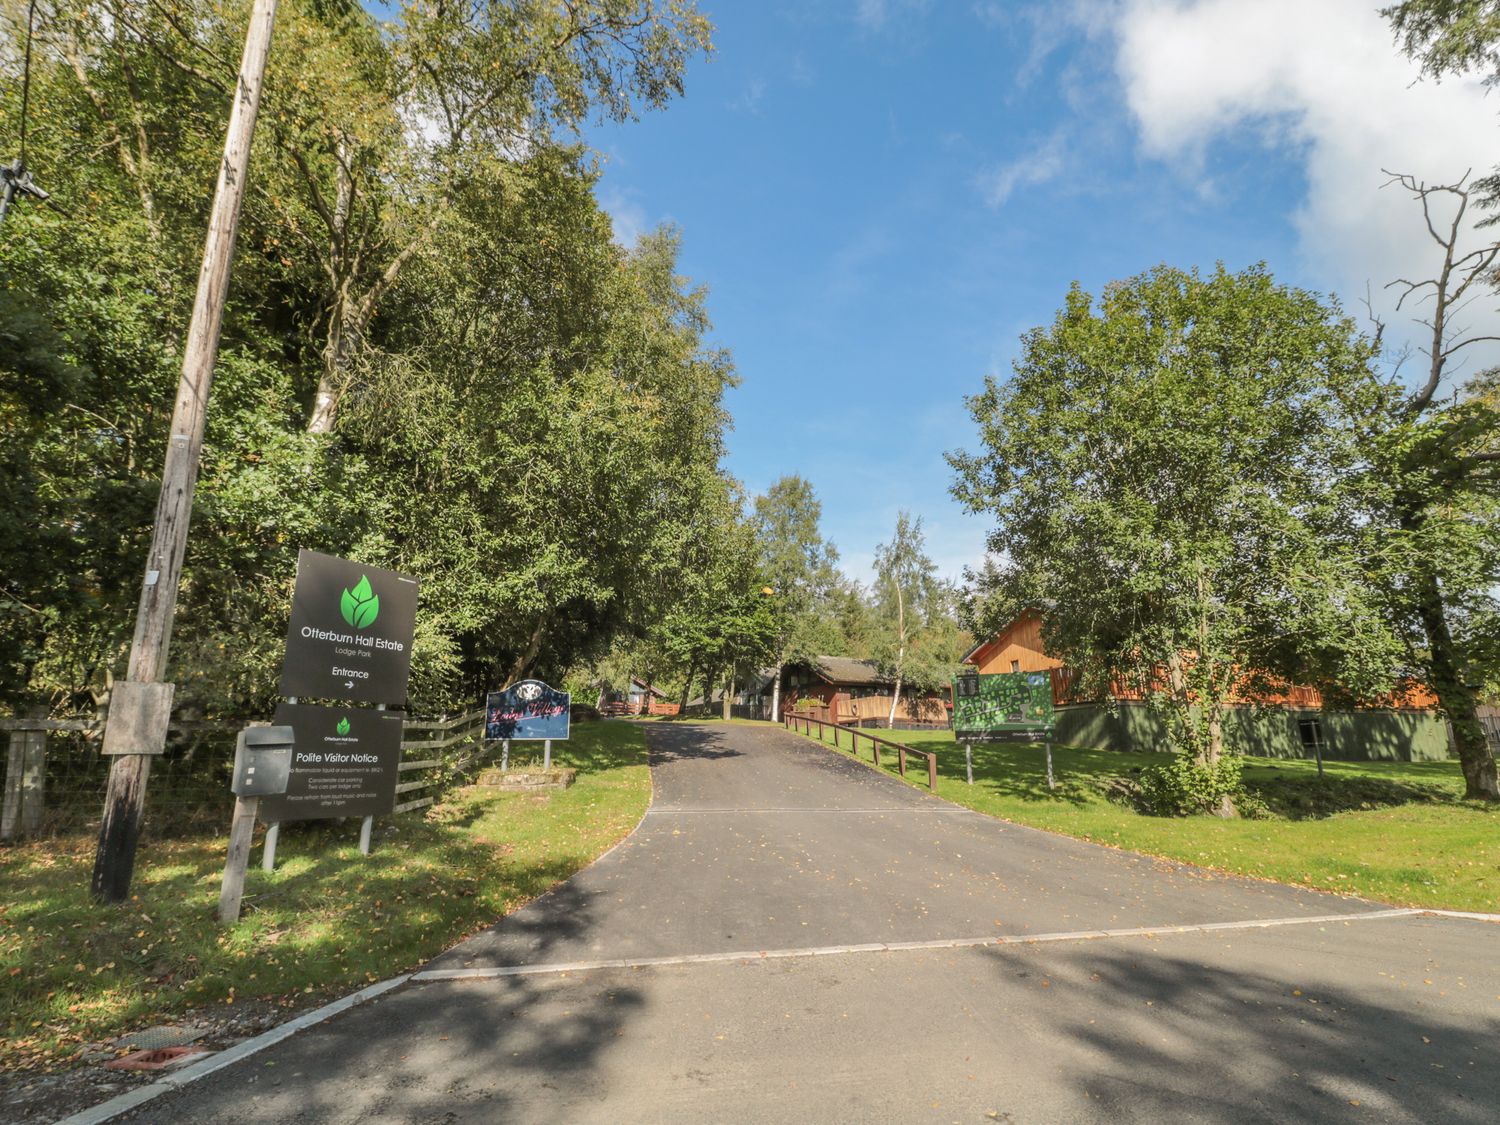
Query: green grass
x: 327, y: 920
x: 1392, y: 831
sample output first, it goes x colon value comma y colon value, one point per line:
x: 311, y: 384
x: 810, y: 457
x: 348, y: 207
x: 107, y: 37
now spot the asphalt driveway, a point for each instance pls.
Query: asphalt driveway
x: 732, y: 960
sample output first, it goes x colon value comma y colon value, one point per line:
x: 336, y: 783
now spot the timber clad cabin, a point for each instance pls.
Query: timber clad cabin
x: 861, y: 692
x: 640, y: 698
x: 1293, y: 723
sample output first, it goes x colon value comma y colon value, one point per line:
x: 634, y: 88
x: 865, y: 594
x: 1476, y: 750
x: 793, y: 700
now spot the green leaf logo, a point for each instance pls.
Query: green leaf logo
x: 343, y: 727
x: 361, y: 605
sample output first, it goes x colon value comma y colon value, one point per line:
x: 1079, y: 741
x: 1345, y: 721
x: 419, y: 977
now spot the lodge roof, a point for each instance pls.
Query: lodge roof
x: 848, y: 670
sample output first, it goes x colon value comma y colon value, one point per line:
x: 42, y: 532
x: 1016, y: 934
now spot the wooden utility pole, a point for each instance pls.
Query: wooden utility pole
x: 141, y: 705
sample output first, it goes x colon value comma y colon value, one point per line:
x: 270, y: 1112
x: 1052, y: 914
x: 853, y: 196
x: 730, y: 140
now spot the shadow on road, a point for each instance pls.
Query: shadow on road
x: 688, y: 743
x: 1168, y: 1037
x: 441, y: 1051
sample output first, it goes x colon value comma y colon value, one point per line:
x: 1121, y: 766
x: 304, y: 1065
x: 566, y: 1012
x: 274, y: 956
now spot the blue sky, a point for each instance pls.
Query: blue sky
x: 882, y: 195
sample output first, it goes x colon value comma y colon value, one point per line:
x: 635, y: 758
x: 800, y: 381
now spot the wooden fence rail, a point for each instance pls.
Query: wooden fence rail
x: 468, y: 727
x: 24, y: 790
x: 804, y: 724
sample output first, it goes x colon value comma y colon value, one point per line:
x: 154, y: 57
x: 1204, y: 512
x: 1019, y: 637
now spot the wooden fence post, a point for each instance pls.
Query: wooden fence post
x: 33, y: 782
x: 241, y: 828
x: 25, y: 784
x: 10, y: 814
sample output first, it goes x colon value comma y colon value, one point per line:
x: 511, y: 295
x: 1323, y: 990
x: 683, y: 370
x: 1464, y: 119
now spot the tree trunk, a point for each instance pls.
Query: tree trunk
x: 687, y: 690
x: 524, y: 661
x: 599, y: 700
x: 338, y: 350
x: 729, y: 699
x: 1225, y: 805
x: 900, y: 654
x: 1455, y: 697
x: 776, y: 693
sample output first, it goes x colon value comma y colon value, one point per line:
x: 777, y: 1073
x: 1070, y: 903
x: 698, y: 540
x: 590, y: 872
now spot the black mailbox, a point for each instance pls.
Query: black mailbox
x: 262, y: 761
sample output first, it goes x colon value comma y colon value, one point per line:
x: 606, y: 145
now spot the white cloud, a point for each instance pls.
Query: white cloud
x: 627, y: 217
x: 1326, y: 80
x: 1042, y: 162
x: 851, y: 268
x: 873, y: 15
x: 750, y: 98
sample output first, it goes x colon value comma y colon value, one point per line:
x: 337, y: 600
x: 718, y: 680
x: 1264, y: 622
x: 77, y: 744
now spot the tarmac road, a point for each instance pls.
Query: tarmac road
x: 745, y: 932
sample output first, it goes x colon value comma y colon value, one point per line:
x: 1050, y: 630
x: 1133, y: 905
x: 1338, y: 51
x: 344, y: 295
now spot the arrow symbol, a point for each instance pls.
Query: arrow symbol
x: 348, y: 683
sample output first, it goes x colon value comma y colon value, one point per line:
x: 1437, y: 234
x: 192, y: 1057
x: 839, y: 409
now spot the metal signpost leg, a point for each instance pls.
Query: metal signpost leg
x: 273, y: 833
x: 1050, y: 783
x: 547, y: 754
x: 268, y: 849
x: 240, y: 831
x: 364, y: 834
x: 504, y: 754
x: 969, y: 761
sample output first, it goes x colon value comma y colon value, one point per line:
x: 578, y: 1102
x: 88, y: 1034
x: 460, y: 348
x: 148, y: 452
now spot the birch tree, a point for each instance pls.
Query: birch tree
x: 798, y: 564
x: 906, y: 586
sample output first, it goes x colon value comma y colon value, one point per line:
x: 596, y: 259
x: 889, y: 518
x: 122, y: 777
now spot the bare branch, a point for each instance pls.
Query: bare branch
x: 1459, y: 271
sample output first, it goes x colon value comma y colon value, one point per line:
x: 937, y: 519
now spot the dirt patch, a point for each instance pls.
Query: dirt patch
x: 27, y: 1095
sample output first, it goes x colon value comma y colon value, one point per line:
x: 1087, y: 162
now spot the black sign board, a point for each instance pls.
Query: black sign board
x: 351, y: 631
x: 527, y: 710
x: 1005, y: 734
x: 345, y: 762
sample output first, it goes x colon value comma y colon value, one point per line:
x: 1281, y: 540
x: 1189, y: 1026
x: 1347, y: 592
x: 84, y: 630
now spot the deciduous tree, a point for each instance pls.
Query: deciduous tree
x: 1164, y: 467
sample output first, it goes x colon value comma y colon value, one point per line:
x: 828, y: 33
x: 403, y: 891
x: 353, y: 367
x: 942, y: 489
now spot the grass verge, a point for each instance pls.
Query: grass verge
x: 1392, y: 831
x: 326, y: 921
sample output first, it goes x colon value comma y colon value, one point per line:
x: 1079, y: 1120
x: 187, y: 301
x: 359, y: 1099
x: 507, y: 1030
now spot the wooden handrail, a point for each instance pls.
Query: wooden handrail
x: 790, y: 719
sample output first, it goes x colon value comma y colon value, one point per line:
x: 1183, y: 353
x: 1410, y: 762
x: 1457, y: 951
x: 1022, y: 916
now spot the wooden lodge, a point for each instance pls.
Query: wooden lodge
x: 1291, y: 722
x: 855, y: 692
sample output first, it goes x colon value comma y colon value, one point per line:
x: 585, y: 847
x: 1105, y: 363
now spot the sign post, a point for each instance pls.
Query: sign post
x: 262, y: 758
x: 1004, y: 707
x: 350, y: 632
x: 527, y: 711
x: 346, y: 763
x: 349, y: 638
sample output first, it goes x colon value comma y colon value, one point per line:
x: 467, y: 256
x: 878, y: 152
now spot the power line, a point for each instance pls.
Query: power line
x: 15, y: 178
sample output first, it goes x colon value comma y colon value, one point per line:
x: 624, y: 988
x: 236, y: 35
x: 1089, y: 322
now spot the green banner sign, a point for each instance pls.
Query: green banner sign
x: 1003, y: 707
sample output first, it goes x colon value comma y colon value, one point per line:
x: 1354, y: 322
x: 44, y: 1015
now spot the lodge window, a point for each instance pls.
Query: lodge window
x: 1015, y: 665
x: 1311, y: 733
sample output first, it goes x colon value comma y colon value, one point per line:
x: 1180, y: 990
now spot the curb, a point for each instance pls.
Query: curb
x: 107, y: 1111
x: 123, y: 1103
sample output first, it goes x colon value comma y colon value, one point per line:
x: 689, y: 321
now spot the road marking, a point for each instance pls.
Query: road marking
x: 131, y: 1099
x: 897, y: 946
x: 806, y: 809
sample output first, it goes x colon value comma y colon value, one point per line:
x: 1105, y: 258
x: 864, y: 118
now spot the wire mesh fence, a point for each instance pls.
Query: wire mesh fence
x: 188, y: 786
x: 54, y: 780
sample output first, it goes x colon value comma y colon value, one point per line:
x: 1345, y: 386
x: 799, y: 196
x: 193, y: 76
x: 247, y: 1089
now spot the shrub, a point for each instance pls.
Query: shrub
x: 1185, y: 785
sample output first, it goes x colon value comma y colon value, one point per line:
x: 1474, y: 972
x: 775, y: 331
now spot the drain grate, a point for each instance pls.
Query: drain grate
x: 167, y: 1035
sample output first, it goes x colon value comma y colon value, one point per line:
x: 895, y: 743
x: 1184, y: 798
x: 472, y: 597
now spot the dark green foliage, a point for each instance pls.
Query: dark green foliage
x: 1185, y: 785
x: 1171, y: 468
x: 529, y: 417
